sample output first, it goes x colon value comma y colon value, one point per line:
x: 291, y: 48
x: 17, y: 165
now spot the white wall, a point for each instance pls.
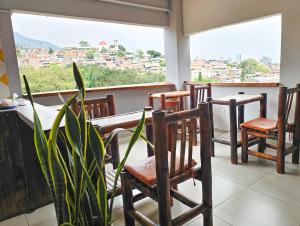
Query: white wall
x: 126, y: 100
x: 93, y: 10
x: 221, y: 112
x: 201, y: 15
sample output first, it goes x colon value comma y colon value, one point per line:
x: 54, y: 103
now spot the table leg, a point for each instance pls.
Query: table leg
x: 263, y: 114
x: 149, y: 135
x: 115, y: 153
x: 241, y: 113
x: 211, y: 118
x: 233, y: 131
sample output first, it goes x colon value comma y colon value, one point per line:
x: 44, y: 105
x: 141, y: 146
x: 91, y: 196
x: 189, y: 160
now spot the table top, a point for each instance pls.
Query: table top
x: 126, y: 121
x: 240, y: 99
x: 172, y: 94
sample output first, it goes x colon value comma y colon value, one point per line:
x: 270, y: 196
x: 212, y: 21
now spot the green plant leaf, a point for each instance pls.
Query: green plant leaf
x: 79, y: 81
x: 97, y: 146
x: 135, y: 136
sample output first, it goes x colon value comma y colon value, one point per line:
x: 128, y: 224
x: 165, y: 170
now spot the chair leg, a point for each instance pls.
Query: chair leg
x: 244, y: 145
x: 127, y: 199
x: 262, y: 145
x: 295, y: 156
x: 208, y: 218
x: 280, y: 164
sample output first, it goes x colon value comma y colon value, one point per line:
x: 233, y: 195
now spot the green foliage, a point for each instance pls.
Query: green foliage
x: 154, y: 53
x: 55, y: 77
x: 84, y: 44
x: 120, y: 53
x: 251, y: 66
x: 122, y: 48
x: 51, y: 50
x: 74, y: 170
x: 140, y: 53
x: 103, y: 50
x: 90, y: 54
x: 162, y: 62
x: 201, y: 79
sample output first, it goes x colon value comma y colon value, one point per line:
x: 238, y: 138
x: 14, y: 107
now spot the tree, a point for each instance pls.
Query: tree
x: 50, y: 50
x: 122, y: 48
x: 103, y: 50
x: 140, y: 53
x: 120, y: 53
x: 90, y: 54
x: 251, y: 66
x: 162, y: 62
x: 84, y: 44
x: 154, y: 53
x: 200, y: 77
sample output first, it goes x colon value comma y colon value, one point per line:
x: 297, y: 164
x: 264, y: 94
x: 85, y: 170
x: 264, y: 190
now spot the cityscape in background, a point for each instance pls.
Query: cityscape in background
x: 116, y: 56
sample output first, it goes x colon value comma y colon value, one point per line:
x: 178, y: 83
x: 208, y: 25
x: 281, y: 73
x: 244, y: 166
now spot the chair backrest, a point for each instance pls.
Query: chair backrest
x: 199, y: 94
x: 289, y: 101
x: 98, y: 107
x: 165, y: 138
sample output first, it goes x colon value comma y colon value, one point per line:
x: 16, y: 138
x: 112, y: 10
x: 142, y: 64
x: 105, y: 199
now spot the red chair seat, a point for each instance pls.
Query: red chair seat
x: 145, y: 171
x: 261, y: 124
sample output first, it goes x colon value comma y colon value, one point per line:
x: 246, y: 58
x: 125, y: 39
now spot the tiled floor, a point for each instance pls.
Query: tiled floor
x: 243, y: 195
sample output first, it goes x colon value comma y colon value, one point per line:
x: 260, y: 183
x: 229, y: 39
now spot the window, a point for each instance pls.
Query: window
x: 247, y: 52
x: 108, y: 54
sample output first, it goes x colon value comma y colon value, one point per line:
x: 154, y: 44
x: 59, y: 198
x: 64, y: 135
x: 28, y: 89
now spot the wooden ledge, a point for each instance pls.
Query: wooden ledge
x: 108, y: 88
x: 237, y: 84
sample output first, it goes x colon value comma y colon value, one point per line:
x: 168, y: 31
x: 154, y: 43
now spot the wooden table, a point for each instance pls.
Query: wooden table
x: 236, y: 101
x: 169, y: 95
x: 126, y: 121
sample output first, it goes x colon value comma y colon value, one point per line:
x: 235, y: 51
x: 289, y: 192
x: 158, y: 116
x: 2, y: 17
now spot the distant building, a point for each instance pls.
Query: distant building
x: 266, y: 60
x: 238, y: 58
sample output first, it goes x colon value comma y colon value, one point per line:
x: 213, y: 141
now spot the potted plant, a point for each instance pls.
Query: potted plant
x: 72, y: 160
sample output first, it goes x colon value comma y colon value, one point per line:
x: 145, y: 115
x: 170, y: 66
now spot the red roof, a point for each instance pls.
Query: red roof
x: 103, y: 43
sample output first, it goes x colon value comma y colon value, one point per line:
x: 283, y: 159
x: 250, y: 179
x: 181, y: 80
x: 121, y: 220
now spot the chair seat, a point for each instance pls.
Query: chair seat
x: 261, y: 124
x: 145, y: 169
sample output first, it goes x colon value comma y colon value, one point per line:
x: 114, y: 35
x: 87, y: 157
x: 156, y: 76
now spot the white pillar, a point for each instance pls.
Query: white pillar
x: 11, y: 62
x: 177, y: 47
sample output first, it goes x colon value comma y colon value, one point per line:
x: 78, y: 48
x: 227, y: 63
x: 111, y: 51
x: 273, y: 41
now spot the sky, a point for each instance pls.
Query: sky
x: 253, y: 39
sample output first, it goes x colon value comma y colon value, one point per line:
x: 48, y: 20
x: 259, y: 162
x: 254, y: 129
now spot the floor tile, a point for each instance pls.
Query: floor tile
x: 282, y: 186
x: 15, y: 221
x: 240, y: 174
x: 253, y: 208
x: 216, y: 221
x: 222, y: 190
x: 43, y: 216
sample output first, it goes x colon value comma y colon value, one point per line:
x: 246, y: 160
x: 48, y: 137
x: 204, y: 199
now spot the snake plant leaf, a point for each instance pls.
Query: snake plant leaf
x: 28, y: 91
x: 102, y: 197
x: 134, y: 138
x: 73, y: 129
x: 59, y: 179
x: 97, y: 145
x: 79, y: 81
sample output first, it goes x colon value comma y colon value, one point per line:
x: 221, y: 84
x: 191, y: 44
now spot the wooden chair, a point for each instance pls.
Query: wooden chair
x: 199, y: 94
x: 158, y: 176
x: 169, y: 104
x: 98, y: 108
x: 264, y: 128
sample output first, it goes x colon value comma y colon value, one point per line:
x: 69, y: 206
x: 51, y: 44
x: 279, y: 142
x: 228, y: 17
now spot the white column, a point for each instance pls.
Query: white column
x: 177, y: 47
x: 11, y: 62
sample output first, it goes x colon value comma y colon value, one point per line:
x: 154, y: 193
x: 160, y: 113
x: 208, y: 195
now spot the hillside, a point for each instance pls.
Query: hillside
x: 25, y: 42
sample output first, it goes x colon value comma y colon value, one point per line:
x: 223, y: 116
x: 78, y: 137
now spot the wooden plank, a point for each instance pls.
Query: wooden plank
x: 172, y: 94
x: 237, y: 84
x: 240, y: 99
x: 128, y: 120
x: 155, y: 85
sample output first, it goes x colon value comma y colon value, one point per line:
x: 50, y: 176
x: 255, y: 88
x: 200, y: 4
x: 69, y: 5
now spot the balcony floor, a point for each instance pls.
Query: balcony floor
x: 243, y: 195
